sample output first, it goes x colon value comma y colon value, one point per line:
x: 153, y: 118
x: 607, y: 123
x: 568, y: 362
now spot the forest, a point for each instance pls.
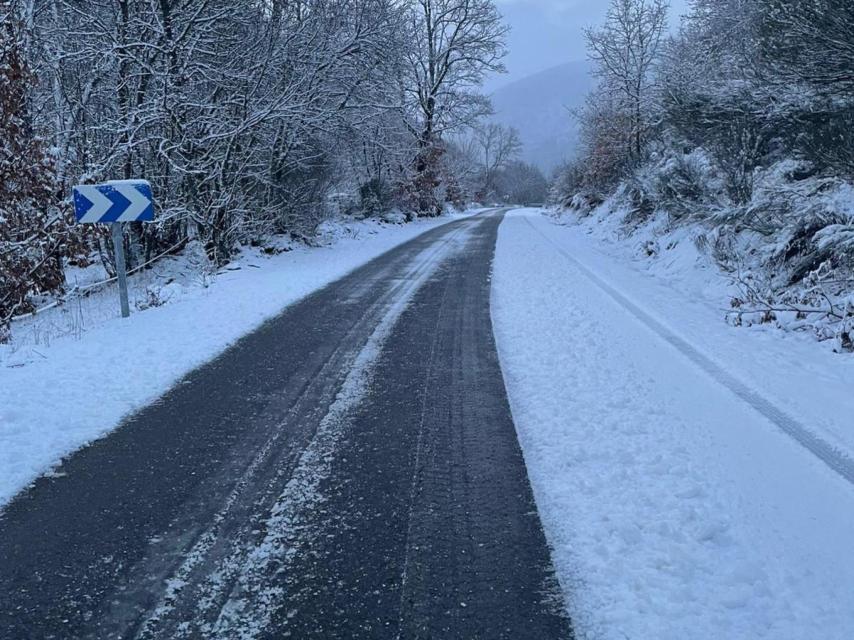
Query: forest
x: 737, y: 123
x: 248, y: 117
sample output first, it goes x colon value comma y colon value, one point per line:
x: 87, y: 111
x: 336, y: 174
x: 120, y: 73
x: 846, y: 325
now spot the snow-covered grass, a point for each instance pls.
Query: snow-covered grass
x: 70, y: 375
x: 676, y: 510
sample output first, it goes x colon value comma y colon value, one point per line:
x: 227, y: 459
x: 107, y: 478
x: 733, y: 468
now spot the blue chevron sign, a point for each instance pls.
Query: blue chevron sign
x: 115, y: 201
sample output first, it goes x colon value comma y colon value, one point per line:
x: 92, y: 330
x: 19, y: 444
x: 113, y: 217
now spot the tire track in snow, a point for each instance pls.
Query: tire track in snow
x: 161, y: 620
x: 259, y: 590
x: 833, y: 457
x: 136, y: 533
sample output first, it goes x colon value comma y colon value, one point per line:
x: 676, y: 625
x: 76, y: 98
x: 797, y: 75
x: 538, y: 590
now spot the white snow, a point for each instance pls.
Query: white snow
x: 674, y: 508
x: 70, y: 376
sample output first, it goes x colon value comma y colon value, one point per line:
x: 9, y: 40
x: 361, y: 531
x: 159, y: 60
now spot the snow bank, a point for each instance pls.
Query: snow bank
x: 674, y: 508
x: 71, y: 375
x: 664, y: 268
x: 789, y: 247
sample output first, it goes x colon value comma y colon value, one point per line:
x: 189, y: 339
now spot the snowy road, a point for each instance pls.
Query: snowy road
x: 684, y: 469
x: 350, y: 470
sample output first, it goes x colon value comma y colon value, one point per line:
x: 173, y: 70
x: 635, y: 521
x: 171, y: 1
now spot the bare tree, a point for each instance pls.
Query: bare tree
x: 497, y: 145
x: 625, y: 50
x: 452, y: 45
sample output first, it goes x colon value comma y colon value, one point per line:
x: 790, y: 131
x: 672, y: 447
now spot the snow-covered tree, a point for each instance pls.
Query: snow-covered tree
x: 497, y: 145
x: 624, y: 50
x: 749, y: 136
x: 451, y: 46
x: 33, y: 233
x: 244, y: 115
x: 808, y: 56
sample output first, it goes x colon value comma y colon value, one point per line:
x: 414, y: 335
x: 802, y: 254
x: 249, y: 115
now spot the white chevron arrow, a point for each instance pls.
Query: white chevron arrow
x: 138, y: 202
x: 100, y: 203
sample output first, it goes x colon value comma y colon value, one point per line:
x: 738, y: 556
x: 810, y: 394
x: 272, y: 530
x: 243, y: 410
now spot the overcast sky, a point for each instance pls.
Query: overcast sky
x: 546, y: 33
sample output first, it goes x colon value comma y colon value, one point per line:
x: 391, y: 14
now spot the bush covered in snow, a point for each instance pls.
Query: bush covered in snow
x: 741, y: 127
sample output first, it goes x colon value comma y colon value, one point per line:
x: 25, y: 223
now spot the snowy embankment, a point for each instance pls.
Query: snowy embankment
x: 677, y: 507
x: 69, y: 376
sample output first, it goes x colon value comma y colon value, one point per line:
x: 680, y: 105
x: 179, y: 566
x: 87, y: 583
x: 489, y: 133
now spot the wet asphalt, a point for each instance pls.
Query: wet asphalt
x: 272, y: 494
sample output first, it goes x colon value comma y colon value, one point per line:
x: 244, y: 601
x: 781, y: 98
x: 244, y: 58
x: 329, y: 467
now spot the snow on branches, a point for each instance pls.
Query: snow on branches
x: 741, y: 124
x: 248, y: 118
x: 34, y: 235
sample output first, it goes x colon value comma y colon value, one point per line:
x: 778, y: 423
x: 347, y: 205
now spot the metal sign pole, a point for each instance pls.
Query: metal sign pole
x: 121, y: 270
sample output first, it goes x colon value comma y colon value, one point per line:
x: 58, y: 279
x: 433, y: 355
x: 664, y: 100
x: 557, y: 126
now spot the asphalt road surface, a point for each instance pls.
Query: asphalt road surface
x: 350, y: 470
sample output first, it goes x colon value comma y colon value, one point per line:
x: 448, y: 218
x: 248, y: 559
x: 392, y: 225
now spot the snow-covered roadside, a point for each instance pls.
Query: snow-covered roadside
x: 675, y: 509
x: 62, y: 393
x: 791, y: 369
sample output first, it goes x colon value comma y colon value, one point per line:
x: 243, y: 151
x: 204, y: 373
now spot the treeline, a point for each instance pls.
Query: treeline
x: 741, y: 123
x: 486, y: 160
x: 245, y: 115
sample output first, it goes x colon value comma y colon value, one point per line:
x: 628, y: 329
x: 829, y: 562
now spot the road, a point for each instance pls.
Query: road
x: 349, y: 470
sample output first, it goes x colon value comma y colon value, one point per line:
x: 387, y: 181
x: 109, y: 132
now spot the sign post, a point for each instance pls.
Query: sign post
x: 115, y: 203
x: 121, y: 268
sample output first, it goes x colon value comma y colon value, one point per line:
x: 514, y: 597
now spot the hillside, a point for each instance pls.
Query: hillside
x: 539, y: 107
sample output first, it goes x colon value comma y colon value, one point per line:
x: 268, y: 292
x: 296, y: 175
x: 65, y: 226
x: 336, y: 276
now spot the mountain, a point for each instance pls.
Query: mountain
x: 539, y: 107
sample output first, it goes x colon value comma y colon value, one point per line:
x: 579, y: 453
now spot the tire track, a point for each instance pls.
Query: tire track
x: 833, y: 457
x: 132, y: 533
